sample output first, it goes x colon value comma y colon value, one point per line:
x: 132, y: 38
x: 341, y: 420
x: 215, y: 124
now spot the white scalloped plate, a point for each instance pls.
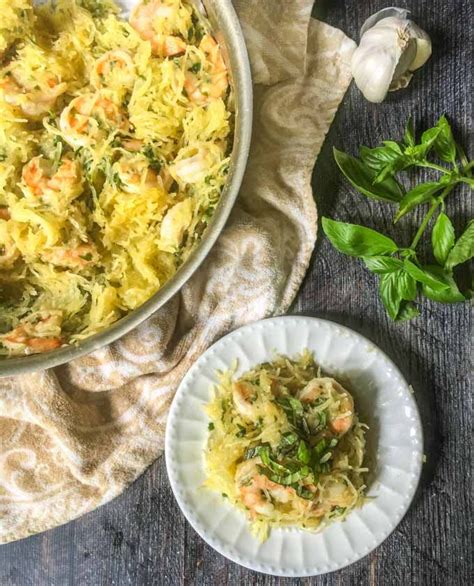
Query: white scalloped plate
x: 394, y: 441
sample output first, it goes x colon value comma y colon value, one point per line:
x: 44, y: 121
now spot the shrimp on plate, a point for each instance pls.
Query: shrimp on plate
x: 341, y: 409
x: 244, y: 397
x: 261, y: 495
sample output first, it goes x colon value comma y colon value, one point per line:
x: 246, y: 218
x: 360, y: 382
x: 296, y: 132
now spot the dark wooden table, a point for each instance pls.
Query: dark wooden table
x: 141, y: 538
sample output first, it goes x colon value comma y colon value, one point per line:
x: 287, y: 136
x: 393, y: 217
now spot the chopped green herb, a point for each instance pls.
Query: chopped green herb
x: 155, y: 163
x: 290, y: 479
x: 327, y: 456
x: 211, y: 426
x: 320, y: 447
x: 304, y: 453
x: 303, y: 492
x: 242, y: 431
x: 195, y: 68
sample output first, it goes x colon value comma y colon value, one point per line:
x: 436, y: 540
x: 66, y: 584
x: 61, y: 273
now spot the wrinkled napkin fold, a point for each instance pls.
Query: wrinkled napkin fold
x: 74, y: 437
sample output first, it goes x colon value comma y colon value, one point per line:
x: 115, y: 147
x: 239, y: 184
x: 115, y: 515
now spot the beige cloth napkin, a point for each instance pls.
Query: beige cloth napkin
x: 74, y: 437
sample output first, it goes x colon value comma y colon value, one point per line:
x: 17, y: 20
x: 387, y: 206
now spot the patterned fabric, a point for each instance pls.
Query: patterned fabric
x: 276, y: 33
x: 74, y: 437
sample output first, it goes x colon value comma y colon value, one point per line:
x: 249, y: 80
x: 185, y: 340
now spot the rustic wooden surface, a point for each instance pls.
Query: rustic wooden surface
x: 141, y: 538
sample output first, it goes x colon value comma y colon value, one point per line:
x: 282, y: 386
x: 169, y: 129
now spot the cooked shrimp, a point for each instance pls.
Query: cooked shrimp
x: 9, y: 253
x: 40, y: 180
x: 341, y: 415
x: 157, y: 21
x: 244, y: 396
x: 34, y: 102
x: 213, y: 82
x: 133, y: 145
x: 193, y: 164
x: 334, y: 493
x: 113, y: 68
x: 175, y: 223
x: 82, y: 121
x: 39, y: 332
x: 260, y: 494
x: 135, y: 174
x: 78, y: 257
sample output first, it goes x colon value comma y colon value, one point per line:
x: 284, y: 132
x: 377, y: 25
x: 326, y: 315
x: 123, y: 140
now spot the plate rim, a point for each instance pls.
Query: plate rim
x: 268, y: 569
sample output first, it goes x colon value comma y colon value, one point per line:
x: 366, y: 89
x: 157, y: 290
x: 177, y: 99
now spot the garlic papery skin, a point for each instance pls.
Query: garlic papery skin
x: 390, y: 49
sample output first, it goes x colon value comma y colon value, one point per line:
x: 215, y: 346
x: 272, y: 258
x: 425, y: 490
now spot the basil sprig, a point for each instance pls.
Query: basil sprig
x: 402, y: 275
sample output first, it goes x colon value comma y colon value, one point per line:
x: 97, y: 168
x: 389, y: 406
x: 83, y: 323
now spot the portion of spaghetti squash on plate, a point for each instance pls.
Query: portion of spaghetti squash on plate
x: 114, y: 141
x: 286, y: 445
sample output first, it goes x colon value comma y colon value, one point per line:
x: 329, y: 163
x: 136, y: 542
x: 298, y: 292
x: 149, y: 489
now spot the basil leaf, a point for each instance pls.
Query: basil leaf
x: 290, y: 478
x: 396, y: 288
x: 276, y: 467
x: 264, y: 453
x: 445, y: 145
x: 463, y: 250
x: 320, y: 447
x: 393, y: 146
x: 419, y: 194
x: 442, y: 238
x: 397, y: 165
x: 409, y: 136
x: 304, y: 492
x: 296, y: 406
x: 428, y: 138
x: 378, y: 157
x: 304, y: 454
x: 425, y: 276
x: 288, y: 438
x: 382, y: 264
x: 390, y: 293
x: 357, y: 240
x: 361, y: 176
x: 323, y: 417
x: 407, y: 311
x: 449, y: 295
x: 406, y: 286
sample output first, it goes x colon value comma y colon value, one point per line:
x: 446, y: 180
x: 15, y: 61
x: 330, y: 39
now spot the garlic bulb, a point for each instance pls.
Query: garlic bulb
x: 391, y: 48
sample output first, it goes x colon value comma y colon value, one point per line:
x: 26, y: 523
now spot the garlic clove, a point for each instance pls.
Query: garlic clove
x: 423, y: 46
x: 391, y: 47
x: 373, y: 74
x: 401, y: 13
x: 401, y: 83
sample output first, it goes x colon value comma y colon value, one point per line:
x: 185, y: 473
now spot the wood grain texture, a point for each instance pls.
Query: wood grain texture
x: 141, y: 538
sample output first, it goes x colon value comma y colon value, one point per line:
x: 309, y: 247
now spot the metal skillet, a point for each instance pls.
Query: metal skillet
x: 225, y: 26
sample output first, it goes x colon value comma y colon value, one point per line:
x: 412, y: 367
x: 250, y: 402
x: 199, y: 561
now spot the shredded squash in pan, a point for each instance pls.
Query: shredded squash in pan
x: 114, y: 142
x: 286, y: 445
